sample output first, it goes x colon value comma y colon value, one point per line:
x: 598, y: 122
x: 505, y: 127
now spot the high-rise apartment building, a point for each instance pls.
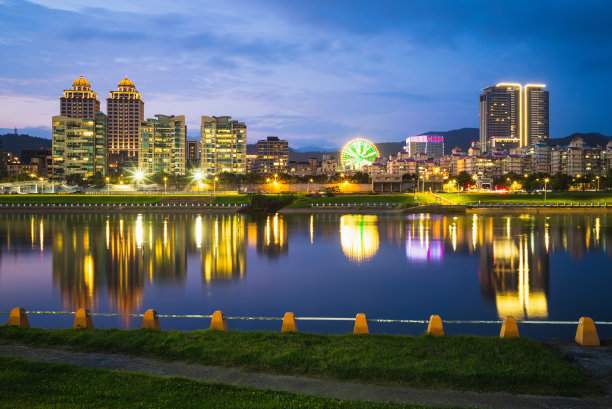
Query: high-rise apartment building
x: 432, y: 145
x: 272, y: 155
x: 162, y: 145
x: 125, y: 109
x: 78, y: 145
x: 80, y: 101
x: 513, y: 115
x: 223, y: 147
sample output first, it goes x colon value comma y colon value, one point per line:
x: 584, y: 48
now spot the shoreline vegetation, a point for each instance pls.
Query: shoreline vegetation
x: 464, y: 363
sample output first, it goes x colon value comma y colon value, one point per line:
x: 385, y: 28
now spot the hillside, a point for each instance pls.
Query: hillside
x: 16, y: 143
x: 591, y: 139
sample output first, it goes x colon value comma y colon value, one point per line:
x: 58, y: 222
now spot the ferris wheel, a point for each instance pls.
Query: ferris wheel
x: 358, y: 153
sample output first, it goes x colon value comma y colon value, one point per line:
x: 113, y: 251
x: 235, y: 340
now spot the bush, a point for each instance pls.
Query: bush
x: 269, y: 203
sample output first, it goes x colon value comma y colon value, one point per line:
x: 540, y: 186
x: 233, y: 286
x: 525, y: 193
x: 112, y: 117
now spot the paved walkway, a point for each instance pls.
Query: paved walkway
x: 306, y: 386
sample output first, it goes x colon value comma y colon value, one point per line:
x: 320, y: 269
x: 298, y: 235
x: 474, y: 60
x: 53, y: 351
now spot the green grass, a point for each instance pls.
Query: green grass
x: 305, y: 201
x: 551, y: 197
x: 29, y: 384
x: 460, y: 362
x: 81, y: 199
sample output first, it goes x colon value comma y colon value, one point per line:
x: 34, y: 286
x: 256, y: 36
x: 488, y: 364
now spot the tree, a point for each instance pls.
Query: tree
x: 97, y: 181
x: 75, y: 179
x: 360, y: 177
x: 560, y: 182
x: 464, y: 180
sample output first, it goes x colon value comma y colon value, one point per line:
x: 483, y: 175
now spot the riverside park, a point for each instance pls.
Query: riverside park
x: 293, y: 300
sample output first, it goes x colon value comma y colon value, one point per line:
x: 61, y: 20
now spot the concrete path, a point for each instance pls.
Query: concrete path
x: 305, y: 386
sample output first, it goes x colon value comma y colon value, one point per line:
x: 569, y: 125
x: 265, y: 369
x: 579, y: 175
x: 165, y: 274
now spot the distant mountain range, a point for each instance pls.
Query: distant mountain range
x: 462, y: 138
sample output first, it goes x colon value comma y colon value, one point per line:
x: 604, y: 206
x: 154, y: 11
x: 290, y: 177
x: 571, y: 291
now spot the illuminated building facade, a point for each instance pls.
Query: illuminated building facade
x: 125, y: 109
x: 223, y: 145
x: 272, y: 155
x: 513, y: 115
x: 432, y: 145
x: 79, y: 145
x: 80, y: 101
x: 162, y: 145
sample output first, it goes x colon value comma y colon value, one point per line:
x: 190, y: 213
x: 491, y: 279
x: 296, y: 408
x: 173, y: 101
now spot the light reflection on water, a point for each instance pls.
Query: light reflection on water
x: 481, y: 267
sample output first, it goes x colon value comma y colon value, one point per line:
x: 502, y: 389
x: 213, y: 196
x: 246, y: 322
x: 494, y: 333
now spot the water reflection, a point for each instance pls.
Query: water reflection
x: 359, y: 237
x: 222, y: 245
x: 111, y: 262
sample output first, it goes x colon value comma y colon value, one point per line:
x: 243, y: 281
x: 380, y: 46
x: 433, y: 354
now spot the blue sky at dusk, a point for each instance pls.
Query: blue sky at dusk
x: 313, y: 72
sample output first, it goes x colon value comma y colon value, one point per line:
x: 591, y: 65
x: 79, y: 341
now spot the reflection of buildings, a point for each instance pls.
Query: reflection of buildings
x: 424, y: 238
x: 222, y: 243
x: 359, y: 237
x: 119, y: 252
x: 272, y: 236
x: 514, y: 270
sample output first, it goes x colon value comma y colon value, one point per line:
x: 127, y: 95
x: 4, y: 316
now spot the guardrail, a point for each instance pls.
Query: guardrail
x: 354, y: 204
x: 137, y: 205
x: 530, y: 204
x: 586, y: 333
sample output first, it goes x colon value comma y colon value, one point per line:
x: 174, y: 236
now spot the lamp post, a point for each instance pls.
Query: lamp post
x: 597, y: 177
x: 545, y: 183
x: 107, y: 185
x: 309, y: 181
x: 215, y: 186
x: 269, y: 185
x: 42, y: 186
x: 165, y: 185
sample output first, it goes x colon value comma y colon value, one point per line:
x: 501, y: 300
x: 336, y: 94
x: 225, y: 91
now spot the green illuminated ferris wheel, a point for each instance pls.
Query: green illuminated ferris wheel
x: 358, y: 153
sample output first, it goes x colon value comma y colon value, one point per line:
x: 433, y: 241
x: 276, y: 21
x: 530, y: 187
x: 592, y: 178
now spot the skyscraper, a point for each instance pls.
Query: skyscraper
x: 162, y: 145
x: 80, y: 101
x: 512, y: 115
x: 223, y: 146
x: 125, y: 109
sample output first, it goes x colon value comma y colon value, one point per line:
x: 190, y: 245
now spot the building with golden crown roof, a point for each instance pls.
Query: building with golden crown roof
x: 125, y: 109
x: 80, y: 101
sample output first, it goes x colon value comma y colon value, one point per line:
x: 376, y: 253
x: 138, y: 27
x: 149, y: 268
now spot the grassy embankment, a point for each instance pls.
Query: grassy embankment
x: 459, y: 362
x: 551, y: 197
x: 29, y: 384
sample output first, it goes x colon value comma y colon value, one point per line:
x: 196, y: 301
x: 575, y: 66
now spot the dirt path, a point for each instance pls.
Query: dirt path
x: 305, y: 386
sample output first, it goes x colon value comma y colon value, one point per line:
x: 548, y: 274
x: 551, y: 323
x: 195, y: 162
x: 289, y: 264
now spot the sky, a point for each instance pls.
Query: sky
x: 316, y: 72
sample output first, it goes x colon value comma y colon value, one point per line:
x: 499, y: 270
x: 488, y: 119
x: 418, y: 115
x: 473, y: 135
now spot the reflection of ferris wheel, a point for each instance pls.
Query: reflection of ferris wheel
x: 357, y: 154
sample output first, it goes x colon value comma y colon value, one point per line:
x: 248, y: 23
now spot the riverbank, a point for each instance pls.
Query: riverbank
x: 460, y: 362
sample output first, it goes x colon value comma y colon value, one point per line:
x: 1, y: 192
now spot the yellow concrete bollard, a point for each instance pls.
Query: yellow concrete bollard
x: 18, y: 318
x: 361, y: 325
x: 289, y: 323
x: 586, y: 334
x: 509, y: 328
x: 82, y: 319
x: 435, y: 326
x: 150, y: 321
x: 218, y: 322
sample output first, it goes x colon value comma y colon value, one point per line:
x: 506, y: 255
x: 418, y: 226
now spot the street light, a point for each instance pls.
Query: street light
x: 309, y: 182
x: 545, y: 183
x: 269, y: 185
x: 165, y: 185
x: 198, y: 175
x: 215, y: 186
x: 107, y: 185
x: 597, y: 177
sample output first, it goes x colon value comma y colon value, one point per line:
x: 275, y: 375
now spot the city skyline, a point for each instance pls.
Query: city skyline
x: 315, y: 74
